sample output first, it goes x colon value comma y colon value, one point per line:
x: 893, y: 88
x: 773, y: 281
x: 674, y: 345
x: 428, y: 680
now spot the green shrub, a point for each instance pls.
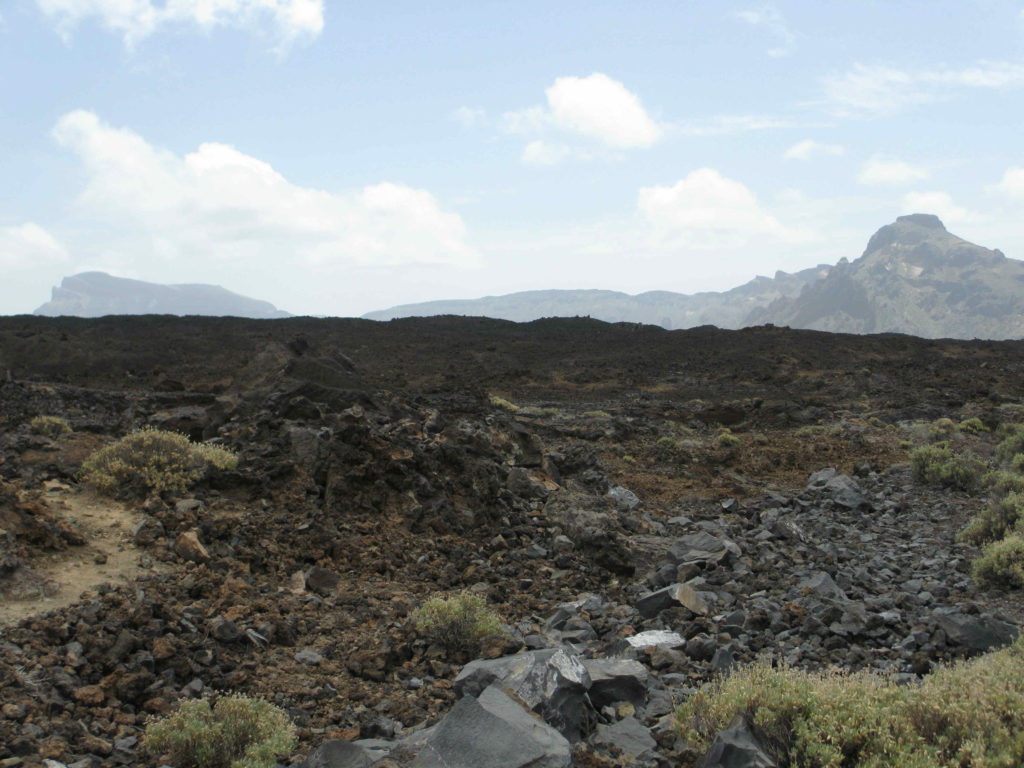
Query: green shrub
x: 1011, y: 444
x: 152, y: 461
x: 938, y: 465
x: 973, y: 426
x: 238, y: 732
x: 943, y: 429
x: 968, y: 714
x: 1001, y: 563
x: 596, y: 415
x: 457, y: 623
x: 50, y: 426
x: 726, y: 439
x: 999, y: 518
x: 501, y: 402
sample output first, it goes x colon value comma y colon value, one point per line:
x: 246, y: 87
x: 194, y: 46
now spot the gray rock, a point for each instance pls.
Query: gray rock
x: 650, y: 605
x: 845, y: 492
x: 308, y: 656
x: 975, y: 633
x: 628, y: 735
x: 551, y: 682
x: 624, y: 498
x: 658, y: 638
x: 818, y: 480
x: 322, y: 581
x: 614, y: 680
x: 702, y: 547
x: 493, y: 731
x: 822, y: 585
x: 738, y: 746
x: 338, y: 753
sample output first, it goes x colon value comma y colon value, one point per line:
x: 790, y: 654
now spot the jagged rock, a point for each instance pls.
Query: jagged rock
x: 338, y: 753
x: 977, y: 634
x: 702, y: 547
x: 624, y: 498
x: 822, y: 585
x: 846, y: 492
x: 493, y: 731
x: 741, y: 745
x: 321, y: 580
x: 147, y: 530
x: 309, y: 657
x: 614, y: 680
x: 627, y: 735
x: 551, y: 682
x: 652, y: 604
x: 657, y: 638
x: 188, y: 547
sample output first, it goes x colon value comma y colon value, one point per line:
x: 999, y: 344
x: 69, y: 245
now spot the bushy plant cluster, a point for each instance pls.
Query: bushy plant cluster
x: 152, y: 461
x: 501, y: 402
x: 49, y: 426
x: 456, y: 623
x: 939, y: 465
x: 969, y: 715
x: 238, y: 732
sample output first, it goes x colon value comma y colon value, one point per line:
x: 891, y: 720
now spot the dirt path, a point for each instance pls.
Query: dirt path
x: 108, y: 556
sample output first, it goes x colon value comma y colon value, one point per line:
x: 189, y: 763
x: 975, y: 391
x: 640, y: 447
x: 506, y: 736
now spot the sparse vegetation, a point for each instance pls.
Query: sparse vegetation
x: 596, y: 415
x: 152, y: 461
x: 968, y: 714
x: 1001, y: 563
x: 238, y: 732
x: 973, y: 426
x: 501, y: 402
x: 50, y: 426
x: 726, y: 439
x: 1002, y: 515
x: 457, y: 623
x: 938, y: 465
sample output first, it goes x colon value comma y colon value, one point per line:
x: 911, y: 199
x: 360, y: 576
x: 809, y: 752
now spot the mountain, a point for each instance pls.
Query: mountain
x: 914, y: 277
x: 664, y: 308
x: 94, y: 294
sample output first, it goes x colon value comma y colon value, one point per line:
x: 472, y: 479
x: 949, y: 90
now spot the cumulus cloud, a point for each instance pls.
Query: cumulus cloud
x: 1012, y: 184
x: 939, y: 203
x: 706, y: 209
x: 876, y: 90
x: 594, y: 107
x: 883, y: 171
x: 218, y: 203
x: 28, y: 245
x: 770, y: 18
x: 540, y: 152
x: 136, y: 20
x: 808, y: 148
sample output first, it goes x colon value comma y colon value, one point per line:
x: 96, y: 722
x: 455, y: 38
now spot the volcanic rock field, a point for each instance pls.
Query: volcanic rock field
x: 645, y: 510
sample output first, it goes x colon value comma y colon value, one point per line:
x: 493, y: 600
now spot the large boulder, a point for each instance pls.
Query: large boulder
x: 741, y: 745
x: 493, y: 731
x: 552, y: 682
x: 975, y: 634
x: 617, y: 680
x: 338, y: 753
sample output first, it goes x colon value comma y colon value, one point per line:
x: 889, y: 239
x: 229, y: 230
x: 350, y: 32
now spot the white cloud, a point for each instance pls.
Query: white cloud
x: 219, y: 204
x: 808, y: 148
x: 601, y: 108
x: 28, y: 245
x: 721, y: 125
x: 1012, y: 183
x: 540, y: 152
x: 706, y: 209
x: 939, y: 203
x: 470, y: 117
x: 595, y: 107
x: 136, y: 20
x: 769, y: 17
x: 882, y: 171
x: 875, y: 90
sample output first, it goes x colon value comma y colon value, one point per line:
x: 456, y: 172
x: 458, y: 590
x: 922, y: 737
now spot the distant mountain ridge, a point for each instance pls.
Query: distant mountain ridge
x: 914, y: 277
x: 95, y: 294
x: 665, y: 308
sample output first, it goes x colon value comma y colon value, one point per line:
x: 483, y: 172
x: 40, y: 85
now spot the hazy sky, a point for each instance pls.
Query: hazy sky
x: 339, y: 157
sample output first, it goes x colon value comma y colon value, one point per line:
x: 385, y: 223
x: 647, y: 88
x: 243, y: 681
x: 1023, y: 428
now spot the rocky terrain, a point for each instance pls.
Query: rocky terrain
x: 644, y: 509
x: 95, y: 294
x: 914, y: 277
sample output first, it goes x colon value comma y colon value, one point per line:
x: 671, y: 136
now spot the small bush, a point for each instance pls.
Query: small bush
x: 1011, y: 444
x: 1001, y: 563
x: 1000, y: 517
x: 938, y: 465
x: 968, y: 714
x: 501, y: 402
x: 943, y: 429
x: 152, y: 461
x: 727, y: 439
x: 238, y: 732
x: 456, y: 623
x: 50, y: 426
x: 596, y: 415
x: 974, y: 426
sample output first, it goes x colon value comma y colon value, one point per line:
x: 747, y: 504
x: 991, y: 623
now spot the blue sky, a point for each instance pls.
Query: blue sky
x: 336, y: 157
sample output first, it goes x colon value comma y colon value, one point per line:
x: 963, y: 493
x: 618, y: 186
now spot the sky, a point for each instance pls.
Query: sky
x: 337, y: 157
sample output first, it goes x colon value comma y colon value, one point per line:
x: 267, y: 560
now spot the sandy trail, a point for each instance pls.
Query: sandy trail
x: 108, y: 556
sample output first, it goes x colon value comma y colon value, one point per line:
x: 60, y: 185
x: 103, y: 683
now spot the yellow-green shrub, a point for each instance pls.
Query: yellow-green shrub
x: 501, y: 402
x: 238, y: 732
x: 457, y: 622
x: 938, y: 465
x: 1001, y: 563
x: 974, y: 426
x: 152, y: 461
x: 996, y: 520
x: 1011, y: 444
x: 969, y: 715
x: 50, y: 426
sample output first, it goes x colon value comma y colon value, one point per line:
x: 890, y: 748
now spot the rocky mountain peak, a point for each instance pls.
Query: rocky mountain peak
x: 908, y: 230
